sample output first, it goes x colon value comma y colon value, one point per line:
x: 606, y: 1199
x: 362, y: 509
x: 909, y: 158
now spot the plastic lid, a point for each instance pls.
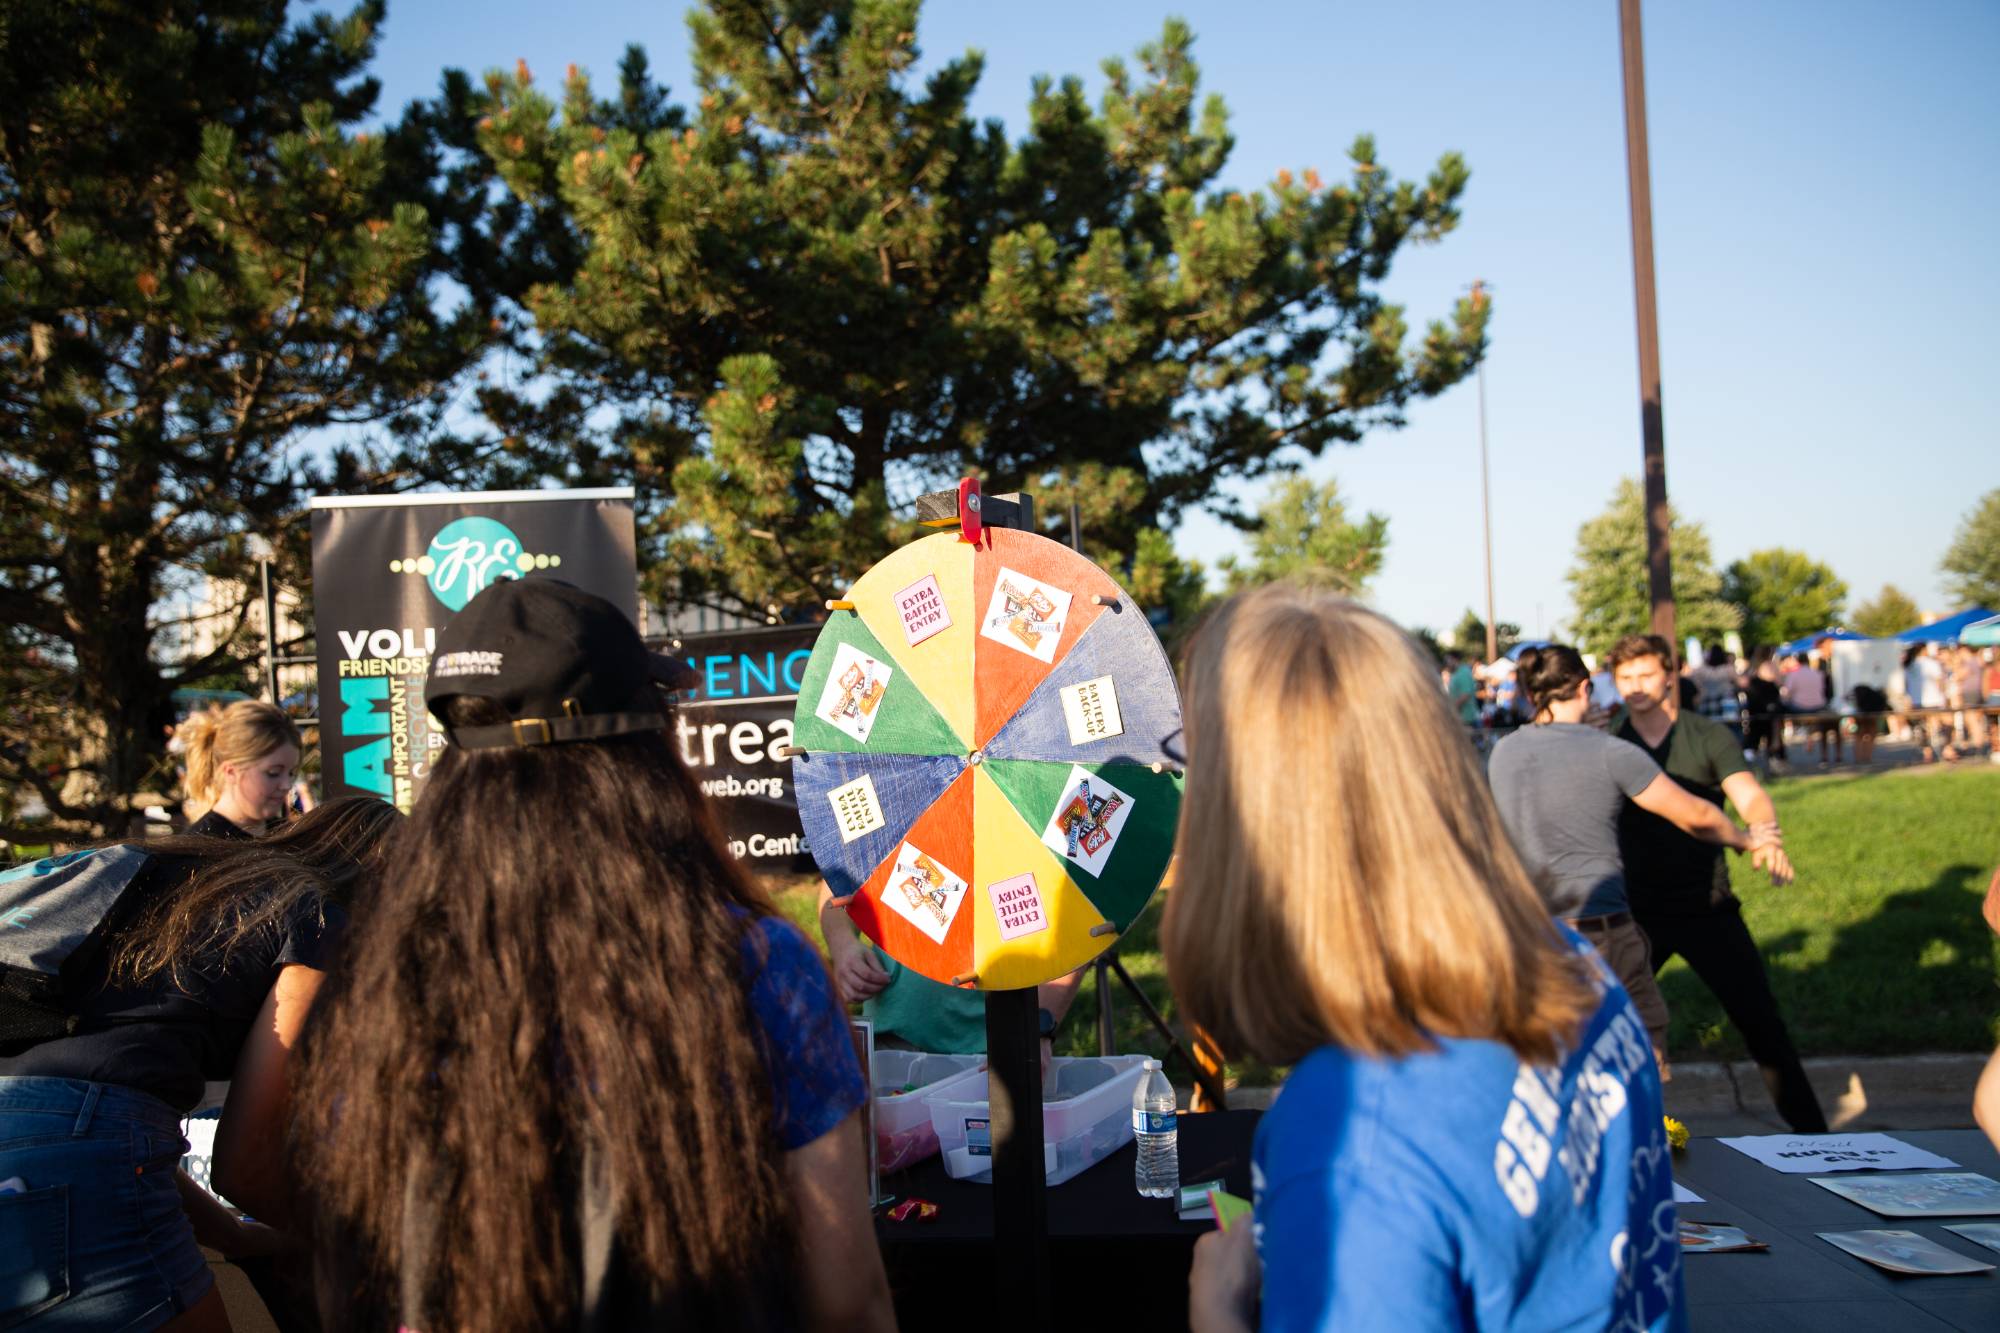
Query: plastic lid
x: 1151, y: 1063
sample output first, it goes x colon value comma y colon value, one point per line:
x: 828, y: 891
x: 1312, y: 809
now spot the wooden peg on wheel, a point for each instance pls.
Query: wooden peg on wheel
x: 837, y: 604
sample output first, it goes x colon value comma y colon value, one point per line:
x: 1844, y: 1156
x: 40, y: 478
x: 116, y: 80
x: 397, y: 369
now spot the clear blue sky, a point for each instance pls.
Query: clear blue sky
x: 1825, y: 205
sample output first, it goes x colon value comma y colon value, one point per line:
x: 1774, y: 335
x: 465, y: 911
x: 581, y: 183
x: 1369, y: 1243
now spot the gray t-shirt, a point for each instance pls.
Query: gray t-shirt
x: 1559, y: 788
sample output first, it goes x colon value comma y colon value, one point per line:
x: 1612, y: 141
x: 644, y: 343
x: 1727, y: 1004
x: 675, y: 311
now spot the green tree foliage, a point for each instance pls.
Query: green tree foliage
x: 1972, y: 563
x: 1303, y: 533
x: 1888, y: 613
x: 1469, y: 635
x: 199, y: 260
x: 823, y: 289
x: 1608, y: 580
x: 1783, y: 595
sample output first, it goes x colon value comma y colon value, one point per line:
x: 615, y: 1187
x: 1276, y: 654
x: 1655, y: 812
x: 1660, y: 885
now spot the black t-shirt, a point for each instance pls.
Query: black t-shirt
x: 166, y: 1040
x: 213, y: 825
x: 1668, y: 872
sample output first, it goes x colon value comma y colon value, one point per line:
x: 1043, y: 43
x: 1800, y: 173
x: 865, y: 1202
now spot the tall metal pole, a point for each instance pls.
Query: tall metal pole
x: 1659, y: 558
x: 1486, y: 497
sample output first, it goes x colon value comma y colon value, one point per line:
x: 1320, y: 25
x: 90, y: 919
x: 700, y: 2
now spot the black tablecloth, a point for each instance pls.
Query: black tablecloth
x: 1113, y: 1253
x: 1803, y: 1282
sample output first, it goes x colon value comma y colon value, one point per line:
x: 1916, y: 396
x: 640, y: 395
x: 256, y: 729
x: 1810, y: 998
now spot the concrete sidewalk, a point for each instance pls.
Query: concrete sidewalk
x: 1858, y: 1093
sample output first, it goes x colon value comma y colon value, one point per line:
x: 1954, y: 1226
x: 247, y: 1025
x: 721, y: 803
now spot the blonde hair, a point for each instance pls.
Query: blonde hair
x: 1344, y: 876
x: 242, y: 733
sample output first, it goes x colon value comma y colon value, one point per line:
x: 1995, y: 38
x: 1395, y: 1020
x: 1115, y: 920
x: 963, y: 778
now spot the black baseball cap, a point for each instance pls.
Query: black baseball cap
x: 563, y: 664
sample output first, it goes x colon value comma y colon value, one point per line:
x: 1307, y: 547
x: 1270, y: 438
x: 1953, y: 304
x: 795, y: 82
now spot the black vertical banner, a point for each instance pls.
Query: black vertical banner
x: 727, y: 728
x: 390, y: 571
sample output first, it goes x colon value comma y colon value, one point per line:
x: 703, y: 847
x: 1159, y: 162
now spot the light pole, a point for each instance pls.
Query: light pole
x: 1485, y: 490
x: 1659, y: 558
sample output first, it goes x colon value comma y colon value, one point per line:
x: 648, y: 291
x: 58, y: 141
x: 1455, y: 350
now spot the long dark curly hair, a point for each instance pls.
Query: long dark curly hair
x: 552, y: 971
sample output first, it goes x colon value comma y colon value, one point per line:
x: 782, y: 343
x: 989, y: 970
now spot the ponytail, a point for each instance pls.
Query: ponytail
x: 242, y: 733
x: 1549, y: 672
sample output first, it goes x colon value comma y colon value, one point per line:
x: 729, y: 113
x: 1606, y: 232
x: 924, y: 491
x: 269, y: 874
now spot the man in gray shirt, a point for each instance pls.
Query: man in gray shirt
x: 1559, y: 786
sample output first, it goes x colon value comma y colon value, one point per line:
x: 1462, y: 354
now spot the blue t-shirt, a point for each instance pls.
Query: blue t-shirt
x: 1463, y: 1189
x: 816, y: 1078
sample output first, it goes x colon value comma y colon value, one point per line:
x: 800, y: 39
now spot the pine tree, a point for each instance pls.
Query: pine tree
x: 823, y: 290
x: 1608, y: 581
x: 1303, y: 534
x: 1888, y: 614
x: 200, y: 260
x: 1972, y: 563
x: 1783, y: 595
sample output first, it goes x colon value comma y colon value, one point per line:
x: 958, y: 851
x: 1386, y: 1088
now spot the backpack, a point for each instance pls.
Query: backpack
x: 53, y: 921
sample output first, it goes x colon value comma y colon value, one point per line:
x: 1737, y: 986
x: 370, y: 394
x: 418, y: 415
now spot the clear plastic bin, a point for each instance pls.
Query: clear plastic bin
x: 900, y: 1081
x: 1086, y: 1116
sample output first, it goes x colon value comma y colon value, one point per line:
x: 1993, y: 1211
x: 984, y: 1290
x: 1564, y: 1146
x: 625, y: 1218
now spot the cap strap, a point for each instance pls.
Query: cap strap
x: 531, y: 731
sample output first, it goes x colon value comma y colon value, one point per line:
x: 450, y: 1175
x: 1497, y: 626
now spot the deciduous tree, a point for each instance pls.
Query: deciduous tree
x: 1783, y: 595
x: 1303, y: 534
x: 1972, y: 563
x: 1608, y: 580
x: 1888, y: 613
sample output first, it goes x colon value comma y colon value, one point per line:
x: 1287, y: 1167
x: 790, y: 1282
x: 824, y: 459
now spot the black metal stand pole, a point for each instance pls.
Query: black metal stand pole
x: 1020, y: 1187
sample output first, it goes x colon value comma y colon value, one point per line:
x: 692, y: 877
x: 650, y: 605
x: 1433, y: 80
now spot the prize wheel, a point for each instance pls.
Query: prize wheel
x: 980, y: 759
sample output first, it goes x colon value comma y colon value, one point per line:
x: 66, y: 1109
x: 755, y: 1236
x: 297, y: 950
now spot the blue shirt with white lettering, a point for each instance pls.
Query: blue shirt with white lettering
x: 1461, y: 1188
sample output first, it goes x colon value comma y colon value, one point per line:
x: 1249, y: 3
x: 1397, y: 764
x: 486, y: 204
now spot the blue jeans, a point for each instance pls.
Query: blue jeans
x: 97, y: 1239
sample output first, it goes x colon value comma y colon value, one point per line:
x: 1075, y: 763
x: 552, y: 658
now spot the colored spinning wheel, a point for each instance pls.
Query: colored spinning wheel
x: 981, y: 758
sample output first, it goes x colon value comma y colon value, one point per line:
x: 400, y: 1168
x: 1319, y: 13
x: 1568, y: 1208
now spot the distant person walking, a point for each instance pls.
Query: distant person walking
x: 1559, y: 786
x: 1923, y: 679
x: 1680, y: 885
x: 1764, y: 707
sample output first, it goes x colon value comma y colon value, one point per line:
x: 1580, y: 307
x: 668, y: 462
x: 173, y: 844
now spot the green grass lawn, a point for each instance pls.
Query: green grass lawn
x: 1877, y: 948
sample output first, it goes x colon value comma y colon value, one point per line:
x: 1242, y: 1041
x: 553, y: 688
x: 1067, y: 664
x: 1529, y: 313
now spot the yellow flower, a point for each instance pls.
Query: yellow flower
x: 1677, y: 1134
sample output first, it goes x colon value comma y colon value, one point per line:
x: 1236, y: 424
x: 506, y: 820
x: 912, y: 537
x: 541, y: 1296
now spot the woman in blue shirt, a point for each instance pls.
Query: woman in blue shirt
x: 1471, y: 1135
x: 576, y: 1073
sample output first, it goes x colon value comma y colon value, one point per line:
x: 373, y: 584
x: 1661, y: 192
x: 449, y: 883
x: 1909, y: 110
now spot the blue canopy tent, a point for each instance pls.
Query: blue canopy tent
x: 1514, y: 654
x: 1805, y: 645
x: 1948, y: 629
x: 1981, y: 633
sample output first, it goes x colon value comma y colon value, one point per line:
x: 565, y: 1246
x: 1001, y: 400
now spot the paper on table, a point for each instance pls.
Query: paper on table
x: 1979, y: 1233
x: 1682, y: 1194
x: 1797, y: 1154
x: 1903, y: 1252
x: 1935, y: 1194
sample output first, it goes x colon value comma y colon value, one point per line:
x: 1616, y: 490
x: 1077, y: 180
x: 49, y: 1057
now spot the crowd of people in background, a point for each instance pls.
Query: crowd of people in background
x: 1945, y: 700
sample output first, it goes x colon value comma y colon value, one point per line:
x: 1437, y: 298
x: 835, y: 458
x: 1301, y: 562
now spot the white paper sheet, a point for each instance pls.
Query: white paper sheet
x: 1682, y: 1194
x: 1801, y: 1154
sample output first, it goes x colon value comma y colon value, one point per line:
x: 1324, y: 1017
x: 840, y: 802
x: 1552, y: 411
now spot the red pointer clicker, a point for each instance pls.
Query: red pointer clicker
x: 969, y: 524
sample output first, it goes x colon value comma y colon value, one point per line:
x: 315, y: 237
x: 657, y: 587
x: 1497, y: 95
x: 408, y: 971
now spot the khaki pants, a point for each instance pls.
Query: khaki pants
x: 1622, y: 945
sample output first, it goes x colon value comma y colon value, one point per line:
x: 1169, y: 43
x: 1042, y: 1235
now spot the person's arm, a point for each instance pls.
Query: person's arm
x: 249, y: 1164
x: 1986, y: 1100
x: 1689, y: 813
x: 1767, y: 841
x: 1222, y: 1283
x: 856, y: 974
x: 844, y: 1285
x: 215, y: 1226
x: 1056, y: 997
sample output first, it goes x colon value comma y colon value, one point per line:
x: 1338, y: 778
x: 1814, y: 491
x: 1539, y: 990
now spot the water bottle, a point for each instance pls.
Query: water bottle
x: 1158, y: 1174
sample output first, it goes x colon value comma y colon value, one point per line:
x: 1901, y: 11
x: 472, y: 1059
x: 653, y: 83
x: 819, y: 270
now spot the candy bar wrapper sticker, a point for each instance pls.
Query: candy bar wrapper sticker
x: 921, y: 609
x: 854, y: 689
x: 1091, y: 709
x: 1017, y: 906
x: 1026, y: 615
x: 923, y: 892
x: 1087, y: 820
x: 856, y: 809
